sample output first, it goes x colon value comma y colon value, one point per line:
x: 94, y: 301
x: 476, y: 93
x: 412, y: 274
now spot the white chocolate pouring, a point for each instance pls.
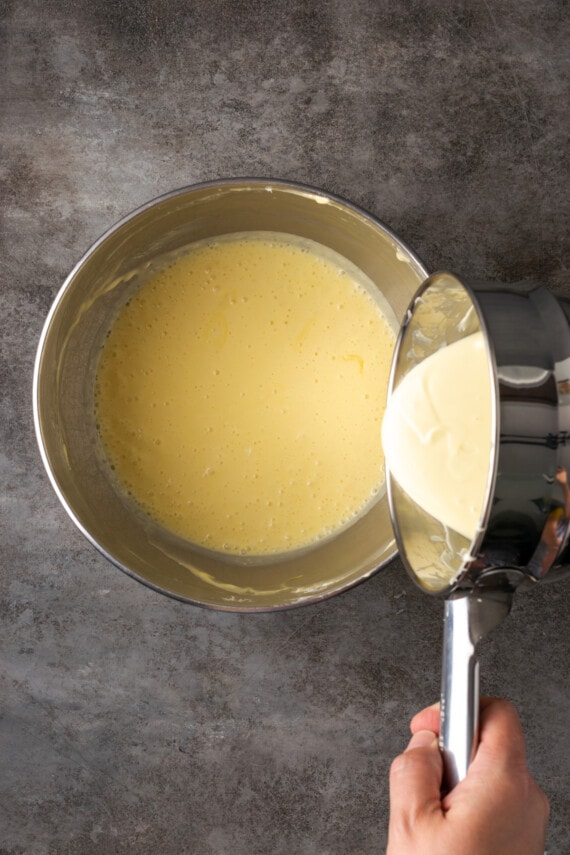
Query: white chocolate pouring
x: 437, y: 433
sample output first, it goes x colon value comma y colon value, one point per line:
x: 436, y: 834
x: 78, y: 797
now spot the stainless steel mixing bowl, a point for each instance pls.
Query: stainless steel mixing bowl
x: 65, y: 375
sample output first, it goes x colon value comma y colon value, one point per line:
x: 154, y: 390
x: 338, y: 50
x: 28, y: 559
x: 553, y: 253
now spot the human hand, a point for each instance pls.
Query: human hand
x: 498, y: 809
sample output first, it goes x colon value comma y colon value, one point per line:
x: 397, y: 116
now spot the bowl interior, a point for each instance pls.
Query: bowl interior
x: 65, y: 376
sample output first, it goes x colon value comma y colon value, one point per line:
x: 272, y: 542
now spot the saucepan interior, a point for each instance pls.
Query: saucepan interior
x: 64, y: 385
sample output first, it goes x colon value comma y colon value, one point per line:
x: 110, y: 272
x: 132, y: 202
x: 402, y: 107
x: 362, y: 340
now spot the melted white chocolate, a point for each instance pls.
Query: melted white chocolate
x: 437, y: 433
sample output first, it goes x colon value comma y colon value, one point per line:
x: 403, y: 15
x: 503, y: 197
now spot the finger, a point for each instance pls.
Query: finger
x: 500, y: 749
x: 501, y: 735
x: 415, y: 780
x: 427, y: 719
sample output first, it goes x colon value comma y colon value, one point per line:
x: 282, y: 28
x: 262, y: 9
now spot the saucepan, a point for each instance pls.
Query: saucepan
x: 64, y: 385
x: 521, y: 537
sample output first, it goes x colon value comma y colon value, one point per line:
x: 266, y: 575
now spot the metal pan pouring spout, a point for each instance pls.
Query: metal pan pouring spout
x: 521, y: 508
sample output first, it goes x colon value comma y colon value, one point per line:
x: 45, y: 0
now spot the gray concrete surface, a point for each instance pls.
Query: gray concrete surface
x: 130, y: 723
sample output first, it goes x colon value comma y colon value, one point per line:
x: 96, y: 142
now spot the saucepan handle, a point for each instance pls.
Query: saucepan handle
x: 458, y: 735
x: 469, y: 616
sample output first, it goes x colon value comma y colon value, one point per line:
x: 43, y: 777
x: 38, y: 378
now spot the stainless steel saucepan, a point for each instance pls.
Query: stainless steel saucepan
x: 523, y: 531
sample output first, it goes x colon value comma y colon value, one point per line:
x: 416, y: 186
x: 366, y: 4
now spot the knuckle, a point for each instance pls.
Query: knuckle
x: 410, y: 761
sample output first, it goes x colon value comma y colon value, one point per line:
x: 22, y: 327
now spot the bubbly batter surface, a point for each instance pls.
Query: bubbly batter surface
x: 240, y: 395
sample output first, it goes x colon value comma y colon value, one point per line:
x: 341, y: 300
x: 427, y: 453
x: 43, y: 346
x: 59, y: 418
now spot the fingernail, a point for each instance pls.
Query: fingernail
x: 423, y: 739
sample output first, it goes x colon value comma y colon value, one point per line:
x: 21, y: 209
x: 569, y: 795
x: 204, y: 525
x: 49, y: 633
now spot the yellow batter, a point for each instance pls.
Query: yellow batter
x: 240, y: 395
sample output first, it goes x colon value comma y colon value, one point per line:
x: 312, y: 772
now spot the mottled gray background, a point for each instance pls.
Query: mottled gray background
x: 135, y: 724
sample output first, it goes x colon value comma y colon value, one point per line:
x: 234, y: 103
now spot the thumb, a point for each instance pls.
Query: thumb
x: 415, y: 780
